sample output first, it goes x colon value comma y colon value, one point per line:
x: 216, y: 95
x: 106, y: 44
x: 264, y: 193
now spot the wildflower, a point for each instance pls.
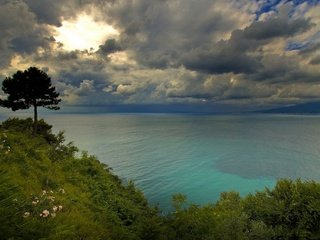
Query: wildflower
x: 51, y: 198
x: 51, y: 191
x: 26, y: 214
x: 61, y: 190
x: 44, y: 192
x: 34, y: 203
x: 53, y: 215
x: 14, y: 200
x: 55, y: 208
x: 45, y: 213
x: 60, y: 208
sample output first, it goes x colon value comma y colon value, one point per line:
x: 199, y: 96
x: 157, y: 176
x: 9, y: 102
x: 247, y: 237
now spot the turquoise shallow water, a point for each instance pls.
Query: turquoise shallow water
x: 199, y: 156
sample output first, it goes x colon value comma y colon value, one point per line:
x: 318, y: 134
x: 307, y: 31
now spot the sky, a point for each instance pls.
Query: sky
x: 196, y: 55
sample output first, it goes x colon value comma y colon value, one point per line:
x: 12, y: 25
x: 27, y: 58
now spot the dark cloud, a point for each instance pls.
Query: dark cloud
x: 53, y: 12
x: 310, y: 49
x: 74, y: 70
x: 161, y: 31
x: 276, y: 27
x: 234, y: 56
x: 29, y: 42
x: 224, y: 60
x: 284, y: 70
x: 202, y: 96
x: 110, y: 46
x: 81, y: 70
x: 311, y: 53
x: 21, y: 33
x: 69, y: 56
x: 249, y: 90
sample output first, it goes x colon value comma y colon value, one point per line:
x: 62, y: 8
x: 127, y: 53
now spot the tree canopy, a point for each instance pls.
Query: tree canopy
x: 31, y: 87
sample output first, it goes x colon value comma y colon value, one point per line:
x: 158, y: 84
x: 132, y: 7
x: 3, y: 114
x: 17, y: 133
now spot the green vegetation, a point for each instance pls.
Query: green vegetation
x: 50, y: 191
x: 32, y: 87
x: 47, y: 192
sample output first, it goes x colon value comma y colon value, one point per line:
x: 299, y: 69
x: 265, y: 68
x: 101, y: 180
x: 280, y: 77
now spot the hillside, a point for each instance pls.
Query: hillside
x: 303, y: 108
x: 48, y: 190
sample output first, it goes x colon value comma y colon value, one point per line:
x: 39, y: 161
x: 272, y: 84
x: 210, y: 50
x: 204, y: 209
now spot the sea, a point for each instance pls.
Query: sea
x: 199, y: 156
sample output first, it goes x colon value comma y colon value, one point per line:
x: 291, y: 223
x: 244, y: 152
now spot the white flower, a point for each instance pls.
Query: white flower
x: 60, y: 207
x: 44, y: 192
x: 34, y: 203
x: 61, y: 190
x: 53, y: 215
x: 15, y: 200
x: 45, y: 213
x: 51, y: 198
x: 55, y: 208
x: 26, y: 214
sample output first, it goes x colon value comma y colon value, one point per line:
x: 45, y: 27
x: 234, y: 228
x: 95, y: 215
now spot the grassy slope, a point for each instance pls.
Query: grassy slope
x: 37, y: 176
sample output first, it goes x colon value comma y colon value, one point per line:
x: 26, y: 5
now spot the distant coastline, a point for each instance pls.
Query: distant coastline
x: 311, y: 108
x: 305, y: 109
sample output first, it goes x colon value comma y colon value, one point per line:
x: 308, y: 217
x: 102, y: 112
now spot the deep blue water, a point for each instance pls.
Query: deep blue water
x: 199, y: 156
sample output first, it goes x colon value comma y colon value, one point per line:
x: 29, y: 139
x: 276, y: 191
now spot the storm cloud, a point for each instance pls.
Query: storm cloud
x: 232, y: 53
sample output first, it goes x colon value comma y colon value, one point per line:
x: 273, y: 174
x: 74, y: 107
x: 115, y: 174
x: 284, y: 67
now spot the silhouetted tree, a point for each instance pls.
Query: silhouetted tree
x: 31, y: 87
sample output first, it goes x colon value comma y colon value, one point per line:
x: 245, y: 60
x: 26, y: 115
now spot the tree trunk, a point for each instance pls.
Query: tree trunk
x: 35, y: 120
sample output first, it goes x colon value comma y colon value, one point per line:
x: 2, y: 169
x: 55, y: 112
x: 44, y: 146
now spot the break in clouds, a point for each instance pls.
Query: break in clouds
x: 240, y: 53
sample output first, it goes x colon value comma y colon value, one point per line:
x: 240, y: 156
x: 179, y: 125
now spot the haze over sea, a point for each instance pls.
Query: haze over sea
x: 198, y: 155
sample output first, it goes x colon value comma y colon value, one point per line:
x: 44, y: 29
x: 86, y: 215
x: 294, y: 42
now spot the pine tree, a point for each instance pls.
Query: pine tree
x: 31, y: 87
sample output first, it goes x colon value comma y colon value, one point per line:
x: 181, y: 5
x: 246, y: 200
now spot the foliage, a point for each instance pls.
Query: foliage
x: 291, y: 210
x: 49, y: 192
x: 31, y: 87
x: 26, y: 126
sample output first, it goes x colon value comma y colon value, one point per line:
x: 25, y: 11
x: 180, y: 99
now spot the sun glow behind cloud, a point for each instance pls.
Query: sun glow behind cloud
x: 84, y: 33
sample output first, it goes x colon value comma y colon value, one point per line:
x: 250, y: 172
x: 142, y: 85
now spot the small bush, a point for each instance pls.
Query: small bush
x: 26, y: 126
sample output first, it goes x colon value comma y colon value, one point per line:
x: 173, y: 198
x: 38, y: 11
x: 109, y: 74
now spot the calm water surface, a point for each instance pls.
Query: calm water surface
x: 199, y: 156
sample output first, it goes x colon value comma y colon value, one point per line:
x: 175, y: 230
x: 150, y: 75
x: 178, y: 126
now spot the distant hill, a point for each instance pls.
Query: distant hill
x: 304, y: 108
